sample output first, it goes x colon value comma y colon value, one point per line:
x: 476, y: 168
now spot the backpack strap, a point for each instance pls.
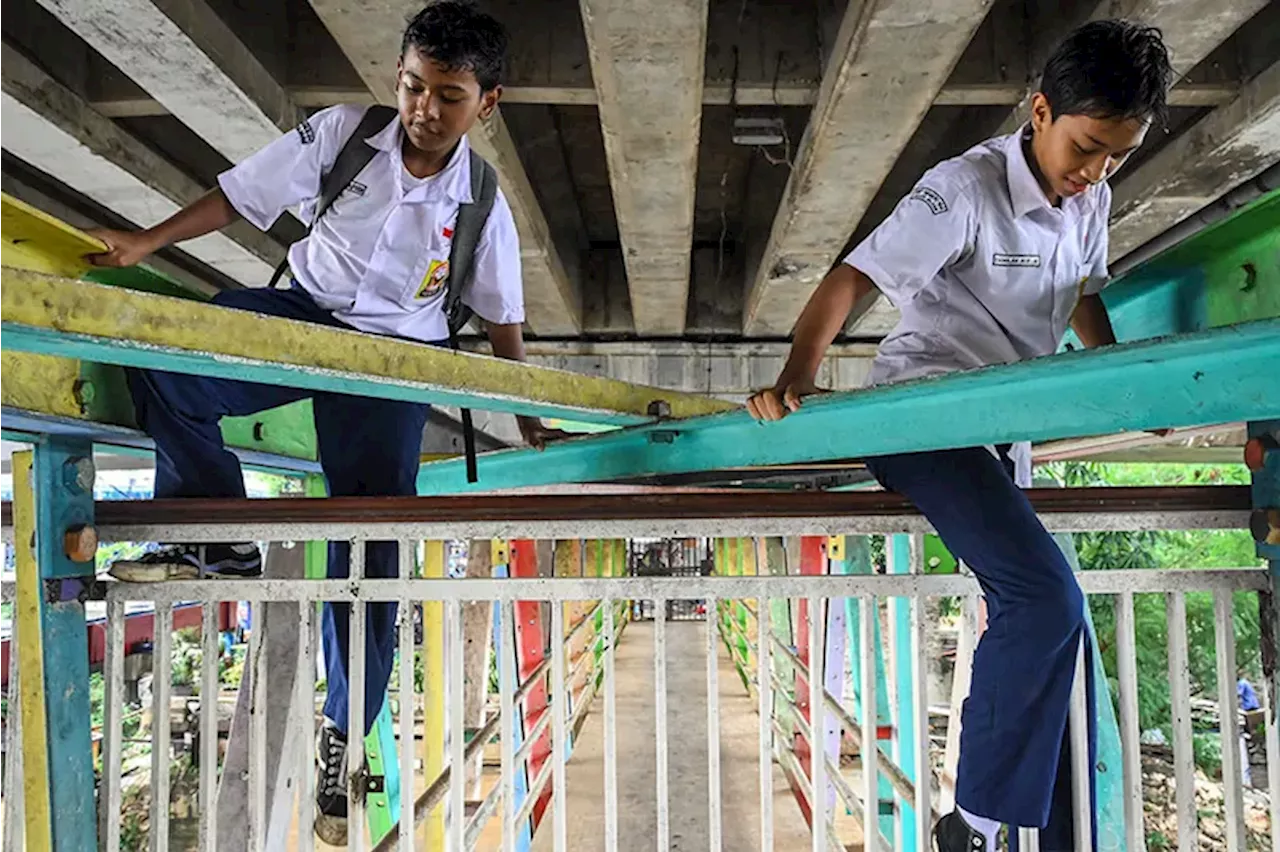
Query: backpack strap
x: 466, y: 236
x: 351, y: 160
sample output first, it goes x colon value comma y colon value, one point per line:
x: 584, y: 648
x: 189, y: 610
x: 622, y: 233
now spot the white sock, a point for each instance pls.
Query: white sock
x: 985, y: 826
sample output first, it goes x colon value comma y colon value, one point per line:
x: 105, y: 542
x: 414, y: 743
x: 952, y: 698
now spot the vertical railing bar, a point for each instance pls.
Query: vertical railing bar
x: 1272, y: 735
x: 1029, y: 840
x: 506, y: 739
x: 407, y: 665
x: 920, y: 684
x: 457, y: 760
x: 1130, y: 745
x: 764, y: 692
x: 112, y: 727
x: 660, y: 722
x: 559, y: 739
x: 161, y: 678
x: 356, y: 674
x: 257, y: 767
x: 1081, y: 770
x: 610, y: 731
x: 13, y: 774
x: 714, y: 826
x: 869, y: 615
x: 210, y: 652
x: 1180, y: 704
x: 306, y: 688
x: 1229, y: 721
x: 817, y: 725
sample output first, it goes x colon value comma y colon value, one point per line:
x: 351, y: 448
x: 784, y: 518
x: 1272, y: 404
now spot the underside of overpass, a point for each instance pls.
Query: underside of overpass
x: 682, y: 173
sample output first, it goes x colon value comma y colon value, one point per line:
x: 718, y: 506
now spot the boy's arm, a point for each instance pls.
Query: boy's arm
x: 210, y: 212
x: 820, y: 321
x: 1091, y: 323
x: 507, y: 341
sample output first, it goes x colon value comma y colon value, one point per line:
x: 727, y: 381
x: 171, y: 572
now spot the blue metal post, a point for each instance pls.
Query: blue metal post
x: 63, y: 478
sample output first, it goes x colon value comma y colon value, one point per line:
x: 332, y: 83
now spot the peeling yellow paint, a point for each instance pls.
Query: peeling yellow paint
x: 40, y: 383
x: 47, y: 302
x: 38, y: 242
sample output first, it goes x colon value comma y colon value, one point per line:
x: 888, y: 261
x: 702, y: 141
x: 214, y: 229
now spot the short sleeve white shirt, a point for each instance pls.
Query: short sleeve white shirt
x: 982, y: 267
x: 378, y: 259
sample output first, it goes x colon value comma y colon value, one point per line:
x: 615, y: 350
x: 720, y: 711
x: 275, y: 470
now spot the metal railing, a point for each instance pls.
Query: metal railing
x: 568, y: 709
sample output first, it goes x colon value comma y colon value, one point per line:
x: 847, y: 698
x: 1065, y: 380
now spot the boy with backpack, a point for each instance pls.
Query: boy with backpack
x: 988, y: 259
x: 409, y: 234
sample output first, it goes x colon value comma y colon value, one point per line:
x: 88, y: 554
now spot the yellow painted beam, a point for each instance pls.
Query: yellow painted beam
x: 40, y: 383
x: 38, y: 828
x: 36, y: 241
x: 433, y: 685
x: 46, y: 303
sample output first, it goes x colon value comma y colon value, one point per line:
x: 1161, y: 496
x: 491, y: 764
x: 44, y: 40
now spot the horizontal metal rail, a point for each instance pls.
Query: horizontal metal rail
x: 673, y: 588
x: 637, y: 515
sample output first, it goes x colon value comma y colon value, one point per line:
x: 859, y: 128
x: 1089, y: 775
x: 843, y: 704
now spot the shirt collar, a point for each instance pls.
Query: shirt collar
x: 454, y: 180
x: 1025, y: 193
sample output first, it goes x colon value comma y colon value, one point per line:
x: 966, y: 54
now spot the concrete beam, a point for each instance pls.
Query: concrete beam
x: 55, y: 131
x: 1191, y: 29
x: 192, y: 63
x: 889, y: 61
x: 1224, y: 149
x: 369, y: 34
x: 714, y: 93
x: 647, y: 63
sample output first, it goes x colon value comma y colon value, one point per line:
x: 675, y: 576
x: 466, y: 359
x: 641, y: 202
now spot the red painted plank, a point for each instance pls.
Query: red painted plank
x: 530, y: 650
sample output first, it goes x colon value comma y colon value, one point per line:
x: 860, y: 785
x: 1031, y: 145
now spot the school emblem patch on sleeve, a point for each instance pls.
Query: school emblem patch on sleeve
x: 433, y: 282
x: 931, y: 199
x: 306, y: 133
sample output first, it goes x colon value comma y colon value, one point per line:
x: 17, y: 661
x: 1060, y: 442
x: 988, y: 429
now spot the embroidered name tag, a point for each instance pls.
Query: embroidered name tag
x: 931, y: 199
x: 433, y: 282
x: 357, y: 188
x: 998, y: 259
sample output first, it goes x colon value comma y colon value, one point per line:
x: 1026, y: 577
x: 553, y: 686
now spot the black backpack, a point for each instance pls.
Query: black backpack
x: 351, y: 160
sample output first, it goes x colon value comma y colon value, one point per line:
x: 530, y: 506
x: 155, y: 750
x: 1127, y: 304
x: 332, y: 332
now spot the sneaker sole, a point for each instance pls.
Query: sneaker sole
x: 331, y: 830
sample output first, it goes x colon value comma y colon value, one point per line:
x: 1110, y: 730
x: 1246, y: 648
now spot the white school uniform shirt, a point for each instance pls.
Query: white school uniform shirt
x: 982, y: 267
x: 378, y: 259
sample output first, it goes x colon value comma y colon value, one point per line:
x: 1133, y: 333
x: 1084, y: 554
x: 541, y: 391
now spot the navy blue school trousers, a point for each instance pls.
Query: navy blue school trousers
x: 367, y: 447
x: 1014, y: 743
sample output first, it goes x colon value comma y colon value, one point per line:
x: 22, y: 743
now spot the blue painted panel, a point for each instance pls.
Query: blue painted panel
x: 60, y: 504
x: 1220, y: 376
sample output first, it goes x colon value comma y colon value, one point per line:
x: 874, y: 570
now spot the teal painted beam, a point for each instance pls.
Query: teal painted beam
x: 62, y: 504
x: 1224, y: 275
x: 1218, y: 376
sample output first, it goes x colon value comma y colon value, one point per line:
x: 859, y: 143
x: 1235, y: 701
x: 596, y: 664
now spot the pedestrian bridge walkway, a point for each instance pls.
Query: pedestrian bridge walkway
x: 687, y: 756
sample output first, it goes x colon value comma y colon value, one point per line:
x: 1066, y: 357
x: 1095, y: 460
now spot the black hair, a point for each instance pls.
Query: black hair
x: 1109, y: 69
x: 460, y: 37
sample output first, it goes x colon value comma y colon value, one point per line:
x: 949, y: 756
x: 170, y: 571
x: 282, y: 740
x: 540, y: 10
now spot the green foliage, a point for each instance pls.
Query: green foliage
x: 1207, y: 749
x: 1112, y: 551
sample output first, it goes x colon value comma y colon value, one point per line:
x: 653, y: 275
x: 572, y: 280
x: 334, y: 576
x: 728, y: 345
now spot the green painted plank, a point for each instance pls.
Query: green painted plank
x: 1218, y: 376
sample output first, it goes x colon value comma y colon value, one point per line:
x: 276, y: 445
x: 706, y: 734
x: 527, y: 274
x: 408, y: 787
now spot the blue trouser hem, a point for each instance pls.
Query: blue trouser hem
x: 367, y: 447
x: 1014, y: 750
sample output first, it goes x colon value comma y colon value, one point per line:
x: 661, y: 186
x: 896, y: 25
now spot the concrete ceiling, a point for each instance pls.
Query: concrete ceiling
x: 642, y: 223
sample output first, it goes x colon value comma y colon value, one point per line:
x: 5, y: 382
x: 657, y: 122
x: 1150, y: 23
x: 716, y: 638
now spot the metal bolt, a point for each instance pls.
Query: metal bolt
x: 78, y: 474
x: 80, y: 543
x: 1256, y: 450
x: 1265, y: 526
x: 659, y: 408
x: 662, y: 436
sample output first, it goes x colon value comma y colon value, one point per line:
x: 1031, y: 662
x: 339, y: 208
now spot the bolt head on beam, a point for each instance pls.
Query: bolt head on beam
x: 80, y: 543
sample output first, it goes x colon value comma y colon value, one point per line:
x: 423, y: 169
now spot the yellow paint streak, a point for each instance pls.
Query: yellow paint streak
x: 36, y: 241
x: 433, y: 681
x: 38, y: 827
x: 835, y: 547
x: 40, y: 383
x: 47, y: 302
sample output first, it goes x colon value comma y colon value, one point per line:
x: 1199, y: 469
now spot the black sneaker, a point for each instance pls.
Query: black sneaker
x: 331, y: 785
x: 953, y: 834
x: 190, y: 562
